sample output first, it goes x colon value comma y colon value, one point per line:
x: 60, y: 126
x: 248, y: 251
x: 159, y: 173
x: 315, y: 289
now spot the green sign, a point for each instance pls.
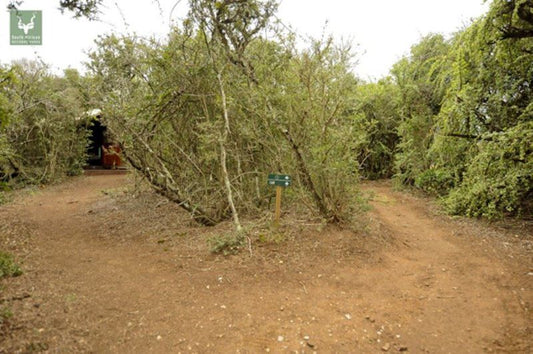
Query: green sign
x: 26, y: 27
x: 279, y: 180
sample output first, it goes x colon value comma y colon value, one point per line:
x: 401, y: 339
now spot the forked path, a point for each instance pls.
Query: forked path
x: 442, y: 287
x: 451, y: 281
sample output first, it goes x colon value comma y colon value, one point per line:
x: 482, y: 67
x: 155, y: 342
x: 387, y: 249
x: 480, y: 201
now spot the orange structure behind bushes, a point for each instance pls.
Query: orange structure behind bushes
x: 111, y: 155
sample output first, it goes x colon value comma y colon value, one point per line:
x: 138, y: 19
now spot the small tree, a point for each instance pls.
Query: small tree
x: 41, y: 138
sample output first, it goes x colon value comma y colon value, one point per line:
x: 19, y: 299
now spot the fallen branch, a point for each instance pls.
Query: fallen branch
x: 15, y: 298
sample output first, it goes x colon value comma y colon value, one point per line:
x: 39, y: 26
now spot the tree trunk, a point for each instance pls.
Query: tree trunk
x: 223, y: 155
x: 308, y: 181
x: 197, y: 213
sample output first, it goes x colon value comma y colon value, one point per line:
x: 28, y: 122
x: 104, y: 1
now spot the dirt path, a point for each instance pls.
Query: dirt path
x: 452, y: 284
x: 103, y: 277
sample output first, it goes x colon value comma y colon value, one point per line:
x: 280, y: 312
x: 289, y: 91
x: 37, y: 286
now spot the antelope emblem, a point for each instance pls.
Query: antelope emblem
x: 26, y: 26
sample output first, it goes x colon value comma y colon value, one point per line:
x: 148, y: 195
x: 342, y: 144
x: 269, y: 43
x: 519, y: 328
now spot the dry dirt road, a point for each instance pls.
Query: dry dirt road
x: 109, y: 273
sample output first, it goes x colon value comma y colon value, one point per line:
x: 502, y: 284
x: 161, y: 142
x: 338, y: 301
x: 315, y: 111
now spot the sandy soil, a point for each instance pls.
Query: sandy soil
x: 105, y: 271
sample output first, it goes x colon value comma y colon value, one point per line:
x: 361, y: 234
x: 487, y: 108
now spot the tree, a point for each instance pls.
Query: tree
x: 42, y: 140
x: 164, y: 105
x: 313, y: 107
x: 80, y: 8
x: 484, y: 124
x: 512, y: 18
x: 205, y: 116
x: 469, y: 138
x: 421, y: 92
x: 7, y: 166
x: 228, y: 27
x: 377, y: 110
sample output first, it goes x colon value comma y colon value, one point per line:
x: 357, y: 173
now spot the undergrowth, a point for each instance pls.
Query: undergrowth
x: 227, y: 243
x: 8, y: 267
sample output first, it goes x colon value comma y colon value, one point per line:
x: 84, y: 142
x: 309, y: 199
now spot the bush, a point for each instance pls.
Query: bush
x: 41, y: 137
x: 292, y: 115
x: 229, y: 243
x: 499, y: 181
x: 435, y: 181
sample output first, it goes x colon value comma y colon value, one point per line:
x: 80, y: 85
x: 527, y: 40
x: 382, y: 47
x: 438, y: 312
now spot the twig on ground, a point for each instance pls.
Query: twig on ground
x: 305, y: 289
x: 15, y: 298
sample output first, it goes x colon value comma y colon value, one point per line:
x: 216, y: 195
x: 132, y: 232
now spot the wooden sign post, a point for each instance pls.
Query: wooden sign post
x: 277, y: 214
x: 280, y: 181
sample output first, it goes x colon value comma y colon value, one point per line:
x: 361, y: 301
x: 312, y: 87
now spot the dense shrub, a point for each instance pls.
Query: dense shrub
x: 466, y: 106
x: 435, y: 181
x: 205, y: 122
x: 376, y: 128
x: 499, y: 180
x: 41, y: 137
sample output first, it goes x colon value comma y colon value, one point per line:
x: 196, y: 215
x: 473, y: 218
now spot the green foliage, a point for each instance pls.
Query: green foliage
x: 37, y: 347
x: 227, y: 243
x: 6, y: 153
x: 5, y: 315
x: 4, y: 188
x: 163, y: 104
x: 513, y: 18
x: 499, y: 180
x: 8, y: 267
x: 207, y: 114
x: 376, y: 128
x: 6, y: 78
x: 318, y: 120
x: 80, y: 8
x: 420, y: 98
x: 274, y: 236
x: 216, y: 108
x: 41, y: 137
x: 466, y: 109
x: 435, y: 181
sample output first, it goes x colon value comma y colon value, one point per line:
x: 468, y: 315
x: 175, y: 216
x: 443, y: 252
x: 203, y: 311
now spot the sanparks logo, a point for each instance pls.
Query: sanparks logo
x: 26, y: 27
